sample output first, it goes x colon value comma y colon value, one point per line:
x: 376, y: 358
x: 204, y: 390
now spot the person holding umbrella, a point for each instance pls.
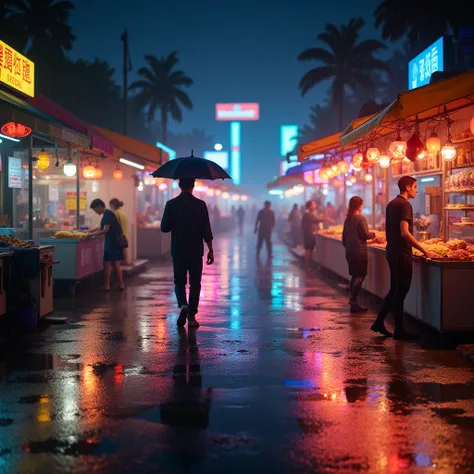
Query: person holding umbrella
x: 187, y: 218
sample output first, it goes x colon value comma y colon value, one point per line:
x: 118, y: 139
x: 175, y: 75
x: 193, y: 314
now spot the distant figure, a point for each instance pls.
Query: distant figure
x: 240, y: 219
x: 116, y: 206
x: 354, y: 238
x: 264, y: 225
x: 294, y: 219
x: 216, y: 217
x: 309, y: 225
x: 187, y: 218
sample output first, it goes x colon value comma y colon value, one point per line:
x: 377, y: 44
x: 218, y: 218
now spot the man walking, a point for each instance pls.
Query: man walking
x: 187, y: 218
x: 400, y: 240
x: 264, y: 226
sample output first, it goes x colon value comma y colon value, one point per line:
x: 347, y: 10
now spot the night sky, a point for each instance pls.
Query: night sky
x: 241, y: 53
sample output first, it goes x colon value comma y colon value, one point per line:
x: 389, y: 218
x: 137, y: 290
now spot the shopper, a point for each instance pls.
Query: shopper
x: 294, y: 219
x: 309, y: 224
x: 240, y: 219
x: 116, y: 206
x: 187, y: 218
x: 113, y: 249
x: 264, y: 226
x: 400, y: 240
x: 354, y: 238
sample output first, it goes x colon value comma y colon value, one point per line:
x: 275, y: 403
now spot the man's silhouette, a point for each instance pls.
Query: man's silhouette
x: 264, y: 226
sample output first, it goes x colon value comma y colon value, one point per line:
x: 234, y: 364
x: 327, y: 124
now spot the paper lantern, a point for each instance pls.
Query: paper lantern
x: 117, y: 174
x: 323, y: 174
x: 343, y: 166
x: 88, y: 172
x: 42, y: 161
x: 330, y: 173
x: 15, y: 130
x: 369, y: 178
x: 353, y: 179
x: 373, y: 155
x: 99, y: 172
x: 448, y: 152
x: 433, y: 144
x: 69, y: 168
x: 384, y: 161
x: 357, y: 160
x: 398, y: 148
x: 337, y: 183
x: 414, y: 147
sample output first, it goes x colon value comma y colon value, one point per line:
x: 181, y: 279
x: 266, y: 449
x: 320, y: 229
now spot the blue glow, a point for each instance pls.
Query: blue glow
x: 235, y: 152
x: 171, y: 152
x: 425, y: 64
x: 299, y: 383
x: 288, y: 138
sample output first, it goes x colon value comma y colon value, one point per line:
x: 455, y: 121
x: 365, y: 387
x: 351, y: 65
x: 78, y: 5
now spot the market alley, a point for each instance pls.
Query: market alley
x: 278, y: 378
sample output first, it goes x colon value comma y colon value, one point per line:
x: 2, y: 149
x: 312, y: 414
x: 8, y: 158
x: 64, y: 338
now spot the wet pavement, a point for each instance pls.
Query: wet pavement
x: 279, y: 378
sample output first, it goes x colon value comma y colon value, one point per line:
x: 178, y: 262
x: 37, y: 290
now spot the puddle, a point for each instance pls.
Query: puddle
x: 65, y: 447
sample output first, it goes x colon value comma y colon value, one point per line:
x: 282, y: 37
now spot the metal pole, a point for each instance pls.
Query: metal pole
x: 78, y: 194
x: 445, y: 222
x: 124, y: 38
x: 373, y: 201
x: 30, y: 190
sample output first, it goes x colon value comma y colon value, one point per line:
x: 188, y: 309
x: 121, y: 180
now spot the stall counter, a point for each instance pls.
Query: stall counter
x: 3, y: 296
x: 152, y: 243
x: 440, y: 291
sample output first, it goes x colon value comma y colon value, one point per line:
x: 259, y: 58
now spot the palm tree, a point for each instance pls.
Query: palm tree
x: 347, y: 62
x: 161, y: 88
x: 42, y: 26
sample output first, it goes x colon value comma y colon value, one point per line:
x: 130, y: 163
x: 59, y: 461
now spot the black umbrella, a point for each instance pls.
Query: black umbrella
x: 191, y: 167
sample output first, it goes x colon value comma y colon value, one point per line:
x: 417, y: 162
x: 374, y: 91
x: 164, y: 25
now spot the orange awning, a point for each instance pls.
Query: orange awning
x: 426, y: 102
x: 330, y: 142
x: 135, y: 149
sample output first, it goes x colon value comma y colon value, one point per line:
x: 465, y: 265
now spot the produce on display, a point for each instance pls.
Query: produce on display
x: 67, y: 234
x: 8, y: 241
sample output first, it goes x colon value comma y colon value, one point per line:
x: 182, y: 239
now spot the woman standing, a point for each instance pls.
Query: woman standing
x: 309, y: 224
x: 113, y: 252
x: 116, y: 207
x: 354, y: 238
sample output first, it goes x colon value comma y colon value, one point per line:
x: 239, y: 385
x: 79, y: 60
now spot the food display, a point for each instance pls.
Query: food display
x: 460, y: 182
x: 379, y: 240
x: 67, y: 234
x: 333, y: 230
x: 8, y: 241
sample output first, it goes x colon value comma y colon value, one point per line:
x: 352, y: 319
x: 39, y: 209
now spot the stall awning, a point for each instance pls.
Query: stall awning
x: 14, y: 109
x: 456, y: 92
x: 46, y: 105
x: 135, y: 149
x: 330, y: 142
x: 285, y: 181
x: 308, y: 165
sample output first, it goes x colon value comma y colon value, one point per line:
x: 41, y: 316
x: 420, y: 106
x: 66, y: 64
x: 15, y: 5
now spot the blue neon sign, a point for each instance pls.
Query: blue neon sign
x: 235, y: 151
x: 288, y: 138
x: 171, y: 152
x: 425, y: 64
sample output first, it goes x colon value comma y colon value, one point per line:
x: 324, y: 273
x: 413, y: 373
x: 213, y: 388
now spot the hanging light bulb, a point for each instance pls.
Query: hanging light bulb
x: 448, y: 152
x: 88, y: 172
x: 398, y: 148
x: 357, y: 160
x: 323, y: 174
x: 373, y: 155
x: 330, y: 173
x: 69, y: 168
x: 433, y: 144
x: 99, y: 172
x: 353, y: 179
x: 421, y: 155
x: 384, y: 161
x: 117, y: 174
x: 343, y: 166
x: 369, y: 178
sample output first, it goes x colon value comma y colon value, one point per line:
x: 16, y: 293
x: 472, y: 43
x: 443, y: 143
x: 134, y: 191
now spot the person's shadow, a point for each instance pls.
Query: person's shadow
x: 188, y: 404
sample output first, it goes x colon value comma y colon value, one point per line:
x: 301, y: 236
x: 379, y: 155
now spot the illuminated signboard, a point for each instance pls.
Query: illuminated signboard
x: 425, y: 64
x: 219, y: 157
x: 288, y: 138
x: 230, y: 112
x: 16, y: 71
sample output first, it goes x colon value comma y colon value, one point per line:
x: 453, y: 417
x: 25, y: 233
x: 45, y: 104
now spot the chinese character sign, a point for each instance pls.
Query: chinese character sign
x: 425, y: 64
x: 16, y: 70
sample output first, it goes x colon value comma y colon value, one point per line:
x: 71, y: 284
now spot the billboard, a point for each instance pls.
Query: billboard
x: 425, y: 64
x: 219, y: 157
x: 237, y: 112
x: 288, y: 138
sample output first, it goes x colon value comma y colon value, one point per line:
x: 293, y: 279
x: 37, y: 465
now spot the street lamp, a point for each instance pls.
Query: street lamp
x: 218, y: 147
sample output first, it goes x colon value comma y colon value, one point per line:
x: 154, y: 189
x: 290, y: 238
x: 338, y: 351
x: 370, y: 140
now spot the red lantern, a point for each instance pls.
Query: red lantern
x: 414, y: 147
x: 365, y: 165
x: 118, y: 174
x: 99, y: 172
x: 15, y: 130
x: 88, y: 172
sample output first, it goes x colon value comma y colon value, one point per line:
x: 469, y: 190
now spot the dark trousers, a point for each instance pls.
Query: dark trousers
x: 356, y: 286
x: 267, y: 238
x: 401, y: 272
x: 181, y: 268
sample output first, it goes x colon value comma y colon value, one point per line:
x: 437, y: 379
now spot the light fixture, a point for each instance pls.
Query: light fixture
x: 337, y: 183
x: 343, y: 166
x: 357, y: 160
x: 272, y: 192
x: 88, y: 172
x: 353, y: 179
x: 421, y: 155
x: 398, y: 148
x: 163, y: 187
x: 131, y: 163
x: 225, y: 195
x: 148, y: 180
x: 369, y: 178
x: 384, y: 161
x: 140, y: 186
x: 433, y: 144
x: 9, y: 138
x: 244, y: 198
x: 236, y: 197
x: 99, y: 172
x: 218, y: 147
x: 117, y: 174
x: 219, y: 192
x: 42, y: 161
x: 330, y: 173
x: 448, y: 152
x: 373, y: 155
x: 16, y: 130
x: 69, y: 168
x: 414, y: 147
x: 322, y: 173
x: 471, y: 125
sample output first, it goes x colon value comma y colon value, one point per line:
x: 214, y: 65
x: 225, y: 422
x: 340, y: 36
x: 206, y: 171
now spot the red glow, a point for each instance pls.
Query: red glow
x: 117, y: 174
x: 15, y: 130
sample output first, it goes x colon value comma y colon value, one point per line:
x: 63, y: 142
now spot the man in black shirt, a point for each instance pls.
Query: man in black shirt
x: 187, y: 218
x: 400, y: 240
x: 264, y: 226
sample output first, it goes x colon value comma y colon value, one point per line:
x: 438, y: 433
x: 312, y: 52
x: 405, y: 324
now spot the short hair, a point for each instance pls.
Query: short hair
x: 267, y: 203
x: 309, y: 203
x: 186, y: 184
x: 405, y: 181
x: 97, y: 203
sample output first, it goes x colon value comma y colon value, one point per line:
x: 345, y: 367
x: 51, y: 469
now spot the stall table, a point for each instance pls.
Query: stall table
x: 440, y: 291
x: 152, y: 243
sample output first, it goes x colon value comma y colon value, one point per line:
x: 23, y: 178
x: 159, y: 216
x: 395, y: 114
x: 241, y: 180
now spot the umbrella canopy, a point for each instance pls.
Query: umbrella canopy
x: 191, y: 167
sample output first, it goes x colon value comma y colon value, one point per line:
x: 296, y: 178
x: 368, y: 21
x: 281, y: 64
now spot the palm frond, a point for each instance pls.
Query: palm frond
x: 314, y: 76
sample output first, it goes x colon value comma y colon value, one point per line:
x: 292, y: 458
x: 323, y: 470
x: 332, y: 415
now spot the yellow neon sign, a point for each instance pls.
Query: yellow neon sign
x: 16, y: 70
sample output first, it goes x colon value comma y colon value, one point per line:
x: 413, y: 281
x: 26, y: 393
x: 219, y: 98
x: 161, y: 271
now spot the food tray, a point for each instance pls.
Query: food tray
x: 464, y: 224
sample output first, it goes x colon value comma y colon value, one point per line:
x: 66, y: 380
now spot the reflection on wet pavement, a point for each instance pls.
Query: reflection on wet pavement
x: 279, y: 378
